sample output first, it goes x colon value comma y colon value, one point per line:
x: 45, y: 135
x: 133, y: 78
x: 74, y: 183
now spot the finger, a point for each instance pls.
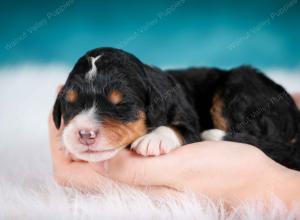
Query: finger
x: 296, y: 97
x: 54, y: 133
x: 56, y: 145
x: 59, y: 155
x: 58, y: 88
x: 79, y: 175
x: 51, y: 126
x: 131, y: 168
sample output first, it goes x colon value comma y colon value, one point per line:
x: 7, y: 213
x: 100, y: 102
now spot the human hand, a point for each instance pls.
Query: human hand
x: 231, y: 171
x: 296, y: 97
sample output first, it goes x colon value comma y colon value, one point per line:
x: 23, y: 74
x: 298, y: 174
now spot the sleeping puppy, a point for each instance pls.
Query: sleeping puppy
x: 111, y: 100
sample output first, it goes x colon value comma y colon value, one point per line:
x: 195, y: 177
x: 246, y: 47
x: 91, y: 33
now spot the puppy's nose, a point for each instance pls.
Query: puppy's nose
x: 87, y: 137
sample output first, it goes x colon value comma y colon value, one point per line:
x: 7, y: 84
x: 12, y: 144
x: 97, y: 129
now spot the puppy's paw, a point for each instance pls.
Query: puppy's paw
x: 160, y: 141
x: 213, y: 135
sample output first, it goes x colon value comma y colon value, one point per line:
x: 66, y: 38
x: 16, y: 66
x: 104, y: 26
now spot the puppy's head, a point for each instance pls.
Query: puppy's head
x: 102, y: 104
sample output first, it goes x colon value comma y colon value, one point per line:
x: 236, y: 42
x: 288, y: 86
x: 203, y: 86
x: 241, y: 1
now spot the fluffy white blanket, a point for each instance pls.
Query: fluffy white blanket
x: 27, y: 190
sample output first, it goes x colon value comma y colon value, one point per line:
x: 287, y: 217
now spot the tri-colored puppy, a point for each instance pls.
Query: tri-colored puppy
x: 112, y: 100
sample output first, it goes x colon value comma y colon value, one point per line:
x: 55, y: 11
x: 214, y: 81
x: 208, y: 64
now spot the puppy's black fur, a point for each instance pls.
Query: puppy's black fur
x: 243, y: 102
x: 257, y: 111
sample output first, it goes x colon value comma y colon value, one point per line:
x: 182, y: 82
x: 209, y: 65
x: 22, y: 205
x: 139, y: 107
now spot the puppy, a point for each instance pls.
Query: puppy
x: 111, y: 100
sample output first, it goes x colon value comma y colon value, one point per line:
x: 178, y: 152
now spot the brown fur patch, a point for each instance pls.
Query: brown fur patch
x: 71, y: 96
x: 216, y: 112
x: 121, y: 134
x: 115, y: 97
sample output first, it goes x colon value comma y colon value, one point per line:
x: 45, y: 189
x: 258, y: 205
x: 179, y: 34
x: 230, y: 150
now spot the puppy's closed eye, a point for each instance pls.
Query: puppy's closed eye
x: 115, y: 97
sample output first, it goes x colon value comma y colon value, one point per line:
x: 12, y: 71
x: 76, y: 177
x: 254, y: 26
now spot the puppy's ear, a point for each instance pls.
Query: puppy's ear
x: 157, y: 100
x: 57, y: 112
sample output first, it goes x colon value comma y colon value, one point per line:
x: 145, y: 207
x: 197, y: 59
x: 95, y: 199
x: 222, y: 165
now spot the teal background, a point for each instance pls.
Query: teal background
x: 163, y: 33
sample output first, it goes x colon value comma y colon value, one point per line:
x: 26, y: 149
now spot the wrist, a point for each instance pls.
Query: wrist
x: 287, y: 187
x: 279, y: 181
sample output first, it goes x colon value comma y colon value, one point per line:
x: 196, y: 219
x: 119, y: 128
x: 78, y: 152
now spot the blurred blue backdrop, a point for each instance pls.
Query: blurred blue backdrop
x: 165, y: 33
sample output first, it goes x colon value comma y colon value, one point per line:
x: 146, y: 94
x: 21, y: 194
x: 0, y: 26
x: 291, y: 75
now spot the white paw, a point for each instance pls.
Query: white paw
x: 160, y: 141
x: 213, y: 135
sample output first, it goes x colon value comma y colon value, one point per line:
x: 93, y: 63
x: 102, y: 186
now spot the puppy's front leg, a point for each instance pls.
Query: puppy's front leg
x: 160, y: 141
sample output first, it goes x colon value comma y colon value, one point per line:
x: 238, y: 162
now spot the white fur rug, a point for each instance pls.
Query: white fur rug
x: 27, y: 190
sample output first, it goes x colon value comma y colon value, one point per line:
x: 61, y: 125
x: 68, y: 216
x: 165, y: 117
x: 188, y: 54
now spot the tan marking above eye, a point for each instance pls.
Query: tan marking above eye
x: 115, y: 97
x: 71, y: 96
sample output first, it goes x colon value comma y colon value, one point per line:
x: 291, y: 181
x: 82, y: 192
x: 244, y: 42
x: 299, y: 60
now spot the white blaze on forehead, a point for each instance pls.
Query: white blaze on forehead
x: 90, y: 75
x: 87, y: 115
